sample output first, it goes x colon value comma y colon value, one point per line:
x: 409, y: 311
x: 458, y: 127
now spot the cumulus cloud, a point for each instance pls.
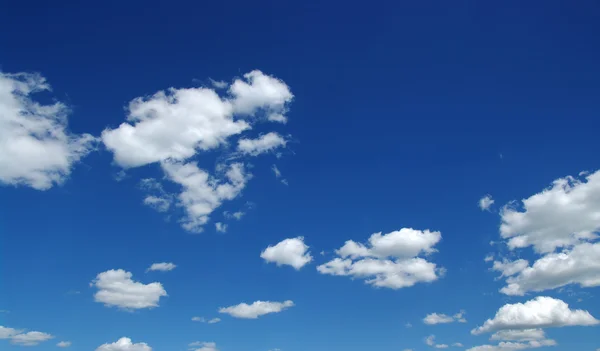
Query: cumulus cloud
x: 116, y: 288
x: 124, y: 344
x: 265, y: 143
x: 172, y: 127
x: 203, y: 346
x: 563, y: 215
x: 31, y: 338
x: 519, y: 335
x: 256, y: 309
x: 579, y: 265
x: 486, y: 202
x: 64, y: 344
x: 440, y: 318
x: 20, y: 337
x: 292, y: 252
x: 512, y: 346
x: 201, y: 194
x: 221, y: 227
x: 163, y: 267
x: 541, y: 312
x: 561, y: 224
x: 36, y: 150
x: 388, y: 260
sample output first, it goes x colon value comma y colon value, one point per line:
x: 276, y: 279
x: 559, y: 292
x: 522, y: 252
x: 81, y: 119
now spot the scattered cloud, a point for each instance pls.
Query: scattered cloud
x: 203, y: 346
x: 541, y: 312
x: 204, y: 320
x: 31, y: 338
x: 236, y: 215
x: 389, y: 260
x: 430, y: 341
x: 512, y: 346
x: 277, y: 173
x: 221, y: 227
x: 116, y: 288
x: 563, y: 215
x: 408, y: 325
x: 171, y: 127
x: 218, y: 84
x: 7, y: 333
x: 265, y: 143
x: 256, y: 309
x: 124, y: 344
x: 437, y: 318
x: 214, y: 321
x: 64, y: 344
x: 292, y: 252
x: 37, y: 150
x: 163, y: 267
x: 457, y: 344
x: 201, y: 193
x: 519, y: 335
x: 486, y: 202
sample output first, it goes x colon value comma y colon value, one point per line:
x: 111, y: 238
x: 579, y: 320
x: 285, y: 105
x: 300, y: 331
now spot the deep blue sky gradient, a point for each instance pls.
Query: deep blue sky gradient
x: 401, y: 113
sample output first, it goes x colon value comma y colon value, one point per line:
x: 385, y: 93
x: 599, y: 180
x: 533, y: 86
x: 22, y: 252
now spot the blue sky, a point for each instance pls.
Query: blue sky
x: 387, y: 125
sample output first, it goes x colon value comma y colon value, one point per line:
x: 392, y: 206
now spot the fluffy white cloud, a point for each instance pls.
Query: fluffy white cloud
x: 541, y: 312
x: 561, y: 216
x: 512, y: 346
x: 430, y: 340
x: 7, y: 333
x: 36, y: 149
x: 64, y: 344
x: 124, y: 344
x: 486, y: 202
x: 519, y: 335
x: 203, y: 346
x: 116, y: 288
x: 389, y: 260
x: 160, y: 204
x: 163, y: 267
x: 260, y: 92
x: 31, y: 338
x: 202, y: 194
x: 172, y: 125
x: 579, y: 265
x: 440, y: 318
x: 292, y: 252
x: 510, y: 268
x: 265, y: 143
x: 257, y: 309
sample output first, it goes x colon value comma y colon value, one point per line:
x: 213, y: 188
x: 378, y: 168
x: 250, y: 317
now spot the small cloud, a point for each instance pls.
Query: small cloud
x: 408, y: 325
x: 64, y: 344
x: 198, y: 319
x: 214, y: 320
x: 486, y: 202
x: 219, y: 84
x: 221, y: 227
x: 163, y: 267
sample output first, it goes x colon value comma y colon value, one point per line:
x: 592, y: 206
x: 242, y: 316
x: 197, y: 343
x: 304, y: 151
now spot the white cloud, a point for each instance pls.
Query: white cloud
x: 172, y: 125
x: 512, y: 346
x: 116, y: 288
x: 64, y: 344
x: 292, y: 252
x: 389, y: 260
x: 160, y: 204
x: 458, y: 344
x: 163, y: 267
x: 265, y: 143
x: 257, y: 309
x: 201, y: 193
x: 236, y: 215
x: 124, y: 344
x: 32, y: 338
x: 486, y: 202
x: 7, y: 333
x: 579, y: 265
x: 219, y: 84
x: 199, y: 319
x: 221, y: 227
x: 441, y: 346
x: 519, y: 335
x: 214, y: 321
x: 510, y: 268
x: 276, y: 171
x: 36, y: 148
x: 430, y: 340
x: 489, y: 258
x: 171, y: 128
x: 541, y: 312
x: 204, y: 320
x: 260, y: 92
x: 203, y: 346
x: 437, y: 318
x: 277, y: 117
x: 560, y: 216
